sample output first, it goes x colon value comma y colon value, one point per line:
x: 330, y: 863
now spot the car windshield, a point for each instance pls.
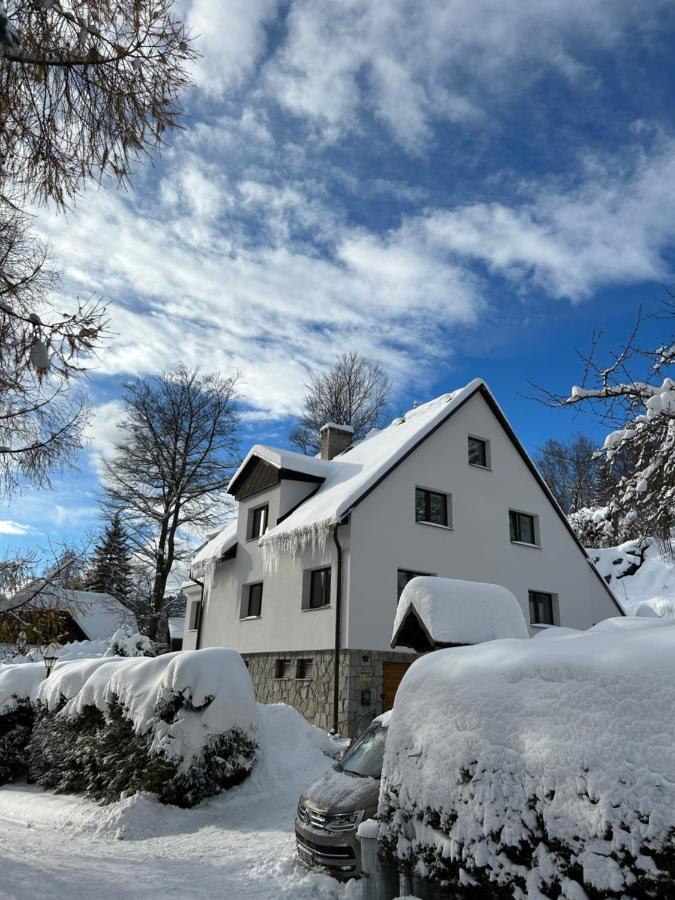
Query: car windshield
x: 365, y: 756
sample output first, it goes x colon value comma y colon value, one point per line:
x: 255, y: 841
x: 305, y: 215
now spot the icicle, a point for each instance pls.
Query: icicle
x: 293, y: 543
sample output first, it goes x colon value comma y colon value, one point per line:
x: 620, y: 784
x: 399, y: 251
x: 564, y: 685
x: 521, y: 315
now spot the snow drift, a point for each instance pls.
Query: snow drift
x: 544, y: 767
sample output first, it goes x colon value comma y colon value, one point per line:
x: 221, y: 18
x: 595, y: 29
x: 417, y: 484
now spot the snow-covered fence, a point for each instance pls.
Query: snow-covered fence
x: 543, y: 767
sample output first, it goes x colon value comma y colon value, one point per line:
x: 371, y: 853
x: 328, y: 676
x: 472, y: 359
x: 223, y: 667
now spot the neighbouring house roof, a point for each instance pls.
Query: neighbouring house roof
x: 176, y: 626
x: 98, y: 615
x: 435, y: 612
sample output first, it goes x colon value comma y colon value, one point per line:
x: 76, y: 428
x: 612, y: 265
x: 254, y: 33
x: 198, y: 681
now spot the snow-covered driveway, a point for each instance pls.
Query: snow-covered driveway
x: 239, y: 844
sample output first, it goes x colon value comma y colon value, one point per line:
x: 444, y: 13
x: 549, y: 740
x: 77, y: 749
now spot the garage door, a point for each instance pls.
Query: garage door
x: 393, y: 672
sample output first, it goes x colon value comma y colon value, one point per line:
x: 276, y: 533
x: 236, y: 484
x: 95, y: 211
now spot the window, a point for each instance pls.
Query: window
x: 319, y: 588
x: 252, y: 605
x: 478, y: 452
x: 257, y: 522
x: 195, y: 614
x: 431, y: 507
x: 404, y: 576
x: 523, y: 527
x: 541, y: 608
x: 282, y: 668
x: 304, y: 668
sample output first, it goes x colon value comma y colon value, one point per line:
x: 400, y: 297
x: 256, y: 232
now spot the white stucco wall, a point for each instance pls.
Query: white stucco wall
x: 385, y: 536
x: 283, y: 624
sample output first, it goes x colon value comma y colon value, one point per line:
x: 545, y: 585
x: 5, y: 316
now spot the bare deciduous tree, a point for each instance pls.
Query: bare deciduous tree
x: 355, y: 391
x: 41, y: 420
x: 170, y: 474
x: 641, y: 407
x: 85, y: 88
x: 571, y: 469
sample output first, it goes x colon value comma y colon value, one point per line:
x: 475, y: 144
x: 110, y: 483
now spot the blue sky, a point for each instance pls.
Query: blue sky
x: 455, y: 189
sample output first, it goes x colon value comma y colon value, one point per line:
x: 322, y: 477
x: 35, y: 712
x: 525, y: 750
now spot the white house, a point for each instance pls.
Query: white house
x: 310, y: 573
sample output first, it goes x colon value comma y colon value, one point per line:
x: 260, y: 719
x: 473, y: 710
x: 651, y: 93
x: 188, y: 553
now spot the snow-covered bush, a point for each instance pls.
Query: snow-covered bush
x: 594, y: 526
x: 17, y: 683
x: 182, y: 725
x: 538, y: 768
x: 127, y: 642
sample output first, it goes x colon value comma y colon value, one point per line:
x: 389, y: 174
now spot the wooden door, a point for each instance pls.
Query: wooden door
x: 392, y: 673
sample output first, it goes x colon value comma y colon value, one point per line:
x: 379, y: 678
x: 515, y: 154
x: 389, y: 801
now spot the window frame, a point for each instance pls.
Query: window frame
x: 282, y: 667
x: 486, y: 452
x: 535, y: 601
x: 265, y: 509
x: 325, y: 589
x: 195, y: 618
x: 514, y: 516
x: 245, y: 612
x: 447, y: 507
x: 304, y: 668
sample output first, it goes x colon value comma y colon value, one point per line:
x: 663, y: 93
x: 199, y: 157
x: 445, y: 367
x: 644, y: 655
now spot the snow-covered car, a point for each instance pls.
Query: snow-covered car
x: 332, y: 807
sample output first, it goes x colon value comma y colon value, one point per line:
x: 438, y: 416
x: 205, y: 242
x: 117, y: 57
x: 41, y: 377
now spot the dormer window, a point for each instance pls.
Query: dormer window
x: 257, y: 522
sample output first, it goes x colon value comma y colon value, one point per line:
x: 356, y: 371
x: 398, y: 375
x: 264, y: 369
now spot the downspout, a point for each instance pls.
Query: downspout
x: 338, y: 630
x: 201, y: 611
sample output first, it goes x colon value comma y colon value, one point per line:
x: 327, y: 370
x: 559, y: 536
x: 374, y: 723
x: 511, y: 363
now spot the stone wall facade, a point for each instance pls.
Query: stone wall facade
x: 304, y: 680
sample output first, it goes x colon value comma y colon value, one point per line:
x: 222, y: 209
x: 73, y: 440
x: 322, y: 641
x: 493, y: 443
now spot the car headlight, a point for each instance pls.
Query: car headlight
x: 344, y: 821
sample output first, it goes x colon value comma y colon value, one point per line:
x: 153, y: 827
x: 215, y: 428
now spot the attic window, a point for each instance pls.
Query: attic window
x: 431, y: 507
x: 257, y: 522
x: 478, y: 452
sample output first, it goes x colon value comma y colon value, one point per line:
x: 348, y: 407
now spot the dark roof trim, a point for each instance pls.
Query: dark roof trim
x: 503, y: 421
x: 292, y: 475
x: 395, y: 641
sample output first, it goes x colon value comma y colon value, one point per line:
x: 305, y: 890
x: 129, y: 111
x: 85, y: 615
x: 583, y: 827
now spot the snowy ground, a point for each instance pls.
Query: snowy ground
x: 653, y: 583
x: 239, y: 844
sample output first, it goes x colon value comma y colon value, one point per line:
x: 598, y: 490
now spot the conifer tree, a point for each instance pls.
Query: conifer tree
x: 111, y: 571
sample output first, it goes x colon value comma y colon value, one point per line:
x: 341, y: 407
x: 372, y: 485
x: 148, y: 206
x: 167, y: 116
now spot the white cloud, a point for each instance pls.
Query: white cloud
x: 230, y: 37
x: 615, y: 226
x: 435, y: 60
x: 8, y: 526
x: 269, y: 298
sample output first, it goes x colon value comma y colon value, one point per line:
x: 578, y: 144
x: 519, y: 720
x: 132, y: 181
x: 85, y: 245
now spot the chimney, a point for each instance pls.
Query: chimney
x: 335, y: 439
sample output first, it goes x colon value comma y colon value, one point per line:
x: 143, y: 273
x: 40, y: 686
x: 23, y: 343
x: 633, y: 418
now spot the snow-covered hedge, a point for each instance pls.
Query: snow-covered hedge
x: 182, y: 725
x: 538, y: 768
x: 17, y: 684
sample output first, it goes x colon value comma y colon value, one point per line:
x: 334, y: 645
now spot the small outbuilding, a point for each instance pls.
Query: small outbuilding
x: 445, y: 612
x: 175, y: 626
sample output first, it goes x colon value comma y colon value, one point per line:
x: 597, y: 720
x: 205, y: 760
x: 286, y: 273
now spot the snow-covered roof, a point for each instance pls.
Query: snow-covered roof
x: 218, y: 544
x: 460, y: 612
x: 98, y: 615
x: 349, y: 475
x: 289, y: 460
